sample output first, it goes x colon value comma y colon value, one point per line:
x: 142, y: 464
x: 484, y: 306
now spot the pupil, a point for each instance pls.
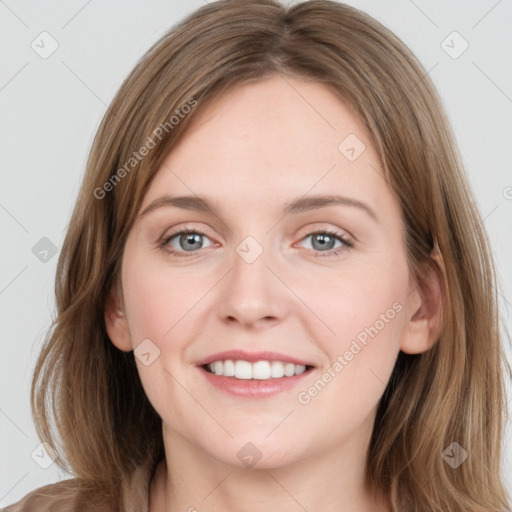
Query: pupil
x: 192, y: 238
x: 325, y: 241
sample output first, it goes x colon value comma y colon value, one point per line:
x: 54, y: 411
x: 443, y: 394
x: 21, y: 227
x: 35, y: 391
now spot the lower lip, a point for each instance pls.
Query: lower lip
x: 253, y: 388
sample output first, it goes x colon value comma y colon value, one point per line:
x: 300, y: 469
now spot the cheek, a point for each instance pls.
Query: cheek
x: 364, y: 311
x: 365, y: 315
x: 159, y: 299
x: 159, y: 305
x: 361, y: 303
x: 344, y: 394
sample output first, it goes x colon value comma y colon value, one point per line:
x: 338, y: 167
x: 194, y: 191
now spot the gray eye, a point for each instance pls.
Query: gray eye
x: 187, y: 242
x: 190, y: 241
x: 322, y: 241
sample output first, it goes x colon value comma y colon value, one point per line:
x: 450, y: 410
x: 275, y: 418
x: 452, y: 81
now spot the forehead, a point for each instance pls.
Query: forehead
x: 270, y: 141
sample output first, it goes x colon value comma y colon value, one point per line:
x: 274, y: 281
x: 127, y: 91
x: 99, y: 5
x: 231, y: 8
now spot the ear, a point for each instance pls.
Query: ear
x: 424, y: 322
x: 115, y: 322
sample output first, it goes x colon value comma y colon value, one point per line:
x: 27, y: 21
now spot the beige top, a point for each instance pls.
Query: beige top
x: 66, y: 496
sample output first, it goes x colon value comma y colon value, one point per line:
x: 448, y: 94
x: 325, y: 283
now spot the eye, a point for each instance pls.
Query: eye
x: 186, y: 242
x: 325, y: 242
x: 183, y: 242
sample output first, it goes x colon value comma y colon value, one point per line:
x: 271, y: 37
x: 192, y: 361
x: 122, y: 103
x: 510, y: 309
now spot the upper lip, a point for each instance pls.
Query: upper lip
x: 252, y: 357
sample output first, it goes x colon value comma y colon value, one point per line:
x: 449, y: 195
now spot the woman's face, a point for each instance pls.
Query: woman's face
x: 298, y: 258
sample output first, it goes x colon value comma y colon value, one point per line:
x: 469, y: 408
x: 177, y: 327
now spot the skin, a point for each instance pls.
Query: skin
x: 251, y: 151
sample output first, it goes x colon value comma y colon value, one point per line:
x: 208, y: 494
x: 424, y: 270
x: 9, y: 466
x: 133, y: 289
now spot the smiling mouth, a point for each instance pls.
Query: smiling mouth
x: 259, y: 370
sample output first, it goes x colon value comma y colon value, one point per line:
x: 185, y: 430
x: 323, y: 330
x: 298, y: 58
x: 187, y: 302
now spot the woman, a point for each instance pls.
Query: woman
x: 275, y: 291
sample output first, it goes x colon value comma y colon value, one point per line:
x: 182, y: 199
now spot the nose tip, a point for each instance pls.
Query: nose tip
x: 251, y: 292
x: 248, y: 318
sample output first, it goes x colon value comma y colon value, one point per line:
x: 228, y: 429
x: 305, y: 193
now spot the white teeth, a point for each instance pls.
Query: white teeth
x: 277, y: 369
x: 243, y: 370
x: 229, y: 368
x: 260, y: 370
x: 300, y: 368
x: 218, y: 367
x: 289, y: 369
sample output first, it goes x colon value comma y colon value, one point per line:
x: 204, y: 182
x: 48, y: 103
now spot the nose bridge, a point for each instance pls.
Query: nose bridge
x: 252, y: 292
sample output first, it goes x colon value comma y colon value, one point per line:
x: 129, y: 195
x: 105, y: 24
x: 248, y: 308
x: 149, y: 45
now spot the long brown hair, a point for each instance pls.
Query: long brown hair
x: 87, y: 399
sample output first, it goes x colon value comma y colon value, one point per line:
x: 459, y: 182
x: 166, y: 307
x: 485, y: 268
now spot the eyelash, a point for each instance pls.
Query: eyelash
x: 346, y: 244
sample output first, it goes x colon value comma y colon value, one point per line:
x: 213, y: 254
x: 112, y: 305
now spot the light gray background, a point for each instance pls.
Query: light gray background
x: 51, y: 108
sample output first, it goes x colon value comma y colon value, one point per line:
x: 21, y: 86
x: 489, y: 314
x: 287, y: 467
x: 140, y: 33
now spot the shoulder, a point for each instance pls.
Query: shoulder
x: 65, y: 496
x: 75, y: 495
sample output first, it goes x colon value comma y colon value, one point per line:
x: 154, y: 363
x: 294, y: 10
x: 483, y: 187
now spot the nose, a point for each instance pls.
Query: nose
x: 253, y: 296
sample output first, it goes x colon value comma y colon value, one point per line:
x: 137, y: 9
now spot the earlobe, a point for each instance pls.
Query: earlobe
x: 425, y: 315
x: 116, y: 324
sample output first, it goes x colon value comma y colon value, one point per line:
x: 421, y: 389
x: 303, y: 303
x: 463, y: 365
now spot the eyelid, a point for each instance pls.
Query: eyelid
x: 164, y: 240
x: 184, y: 227
x: 347, y: 242
x: 319, y: 227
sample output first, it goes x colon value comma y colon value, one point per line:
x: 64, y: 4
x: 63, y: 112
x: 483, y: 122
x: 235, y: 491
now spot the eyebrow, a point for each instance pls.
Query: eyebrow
x: 299, y: 205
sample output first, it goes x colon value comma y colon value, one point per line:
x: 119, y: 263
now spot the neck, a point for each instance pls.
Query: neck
x: 190, y: 480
